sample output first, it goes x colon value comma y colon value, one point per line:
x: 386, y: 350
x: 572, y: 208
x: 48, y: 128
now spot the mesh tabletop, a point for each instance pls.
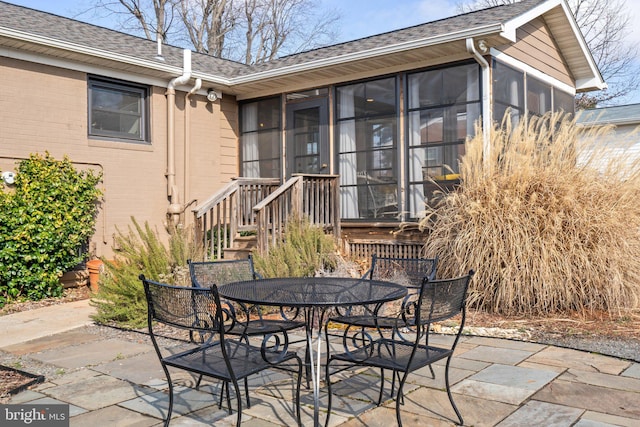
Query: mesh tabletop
x: 312, y: 291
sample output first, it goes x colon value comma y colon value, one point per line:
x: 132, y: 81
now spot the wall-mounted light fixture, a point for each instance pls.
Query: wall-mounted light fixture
x: 482, y: 46
x: 8, y: 177
x: 212, y: 95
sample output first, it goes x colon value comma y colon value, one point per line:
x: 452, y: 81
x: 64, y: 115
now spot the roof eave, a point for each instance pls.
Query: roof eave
x: 482, y: 31
x: 104, y: 54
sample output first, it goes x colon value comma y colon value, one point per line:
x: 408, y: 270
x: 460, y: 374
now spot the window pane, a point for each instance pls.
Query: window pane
x: 260, y: 139
x: 508, y: 91
x: 380, y: 97
x: 117, y: 110
x: 538, y: 96
x: 367, y: 138
x: 446, y: 105
x: 563, y: 101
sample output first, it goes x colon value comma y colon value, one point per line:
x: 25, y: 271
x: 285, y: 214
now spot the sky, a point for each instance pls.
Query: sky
x: 360, y: 18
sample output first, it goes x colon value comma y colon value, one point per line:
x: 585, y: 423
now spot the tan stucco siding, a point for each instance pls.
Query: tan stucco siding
x: 44, y: 108
x: 535, y: 47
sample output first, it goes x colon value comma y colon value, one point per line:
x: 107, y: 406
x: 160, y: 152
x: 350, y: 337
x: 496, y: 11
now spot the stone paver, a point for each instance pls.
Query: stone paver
x: 504, y: 383
x: 633, y: 371
x: 584, y: 361
x: 594, y: 398
x: 73, y: 337
x: 186, y: 400
x: 604, y: 380
x: 92, y: 353
x: 504, y: 343
x: 599, y: 419
x: 434, y: 405
x: 95, y: 392
x: 542, y: 414
x: 112, y: 416
x: 42, y: 322
x: 139, y: 369
x: 496, y: 355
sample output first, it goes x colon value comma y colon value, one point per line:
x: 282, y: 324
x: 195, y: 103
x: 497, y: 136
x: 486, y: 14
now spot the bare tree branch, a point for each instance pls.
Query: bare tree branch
x: 251, y: 31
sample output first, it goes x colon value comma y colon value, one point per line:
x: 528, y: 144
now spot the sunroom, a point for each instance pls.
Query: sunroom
x: 394, y: 139
x: 387, y: 116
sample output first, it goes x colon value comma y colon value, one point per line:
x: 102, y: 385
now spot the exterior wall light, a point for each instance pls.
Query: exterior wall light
x: 8, y: 177
x: 212, y: 95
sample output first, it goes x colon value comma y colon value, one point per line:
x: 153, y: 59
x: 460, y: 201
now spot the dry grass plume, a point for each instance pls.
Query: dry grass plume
x: 549, y: 221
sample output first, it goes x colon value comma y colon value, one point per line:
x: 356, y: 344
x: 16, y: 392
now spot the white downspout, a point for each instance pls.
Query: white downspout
x: 187, y: 141
x: 172, y: 191
x: 486, y: 100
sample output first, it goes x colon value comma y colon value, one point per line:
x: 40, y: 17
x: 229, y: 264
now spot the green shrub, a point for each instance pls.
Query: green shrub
x: 120, y: 299
x: 44, y: 223
x: 305, y: 250
x: 550, y: 220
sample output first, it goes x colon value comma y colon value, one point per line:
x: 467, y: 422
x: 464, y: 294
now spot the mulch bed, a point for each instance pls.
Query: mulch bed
x: 13, y: 380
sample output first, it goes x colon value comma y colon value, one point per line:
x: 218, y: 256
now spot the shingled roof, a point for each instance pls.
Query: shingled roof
x: 43, y: 33
x: 480, y: 19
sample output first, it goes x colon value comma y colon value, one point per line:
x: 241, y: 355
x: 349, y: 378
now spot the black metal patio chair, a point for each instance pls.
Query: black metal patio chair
x: 436, y: 301
x: 199, y: 310
x: 241, y: 321
x: 247, y: 321
x: 407, y: 271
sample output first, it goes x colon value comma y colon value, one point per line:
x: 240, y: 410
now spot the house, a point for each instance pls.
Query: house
x: 622, y: 142
x: 354, y: 133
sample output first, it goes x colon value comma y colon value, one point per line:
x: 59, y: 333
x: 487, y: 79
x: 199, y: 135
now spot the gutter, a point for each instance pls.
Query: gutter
x: 486, y: 100
x: 175, y: 208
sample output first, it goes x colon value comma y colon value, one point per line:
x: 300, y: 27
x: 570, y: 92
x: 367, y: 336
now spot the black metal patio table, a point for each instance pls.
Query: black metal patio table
x: 314, y: 295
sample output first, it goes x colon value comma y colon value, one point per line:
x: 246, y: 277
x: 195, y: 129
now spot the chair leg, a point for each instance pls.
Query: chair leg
x: 222, y: 392
x: 239, y: 399
x: 400, y: 397
x: 329, y: 395
x: 299, y: 382
x: 382, y: 385
x: 246, y: 391
x: 433, y: 374
x: 446, y: 381
x: 170, y: 409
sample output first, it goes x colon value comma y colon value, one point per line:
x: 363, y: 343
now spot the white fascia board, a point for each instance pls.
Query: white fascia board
x: 371, y: 53
x: 509, y: 60
x: 517, y: 22
x: 81, y: 67
x: 99, y: 53
x: 589, y: 84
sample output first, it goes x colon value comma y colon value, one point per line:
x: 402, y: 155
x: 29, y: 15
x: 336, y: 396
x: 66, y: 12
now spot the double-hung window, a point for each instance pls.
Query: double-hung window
x: 118, y: 110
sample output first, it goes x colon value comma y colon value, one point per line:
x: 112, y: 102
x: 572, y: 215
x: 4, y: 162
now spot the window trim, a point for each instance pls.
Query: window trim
x: 119, y: 85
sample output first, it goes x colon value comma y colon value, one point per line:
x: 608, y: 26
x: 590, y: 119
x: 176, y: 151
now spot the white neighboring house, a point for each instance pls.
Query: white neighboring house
x: 623, y: 141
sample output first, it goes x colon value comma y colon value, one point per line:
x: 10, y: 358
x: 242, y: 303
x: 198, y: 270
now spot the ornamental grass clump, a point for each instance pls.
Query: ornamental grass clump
x: 549, y: 219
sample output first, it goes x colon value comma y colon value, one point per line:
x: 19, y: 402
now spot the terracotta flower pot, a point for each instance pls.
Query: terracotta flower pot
x: 94, y: 266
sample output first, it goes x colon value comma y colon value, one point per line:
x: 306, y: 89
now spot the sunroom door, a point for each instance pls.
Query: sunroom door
x: 307, y: 137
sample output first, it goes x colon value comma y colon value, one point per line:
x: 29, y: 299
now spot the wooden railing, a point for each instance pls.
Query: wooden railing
x: 219, y: 219
x: 263, y: 206
x: 314, y: 196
